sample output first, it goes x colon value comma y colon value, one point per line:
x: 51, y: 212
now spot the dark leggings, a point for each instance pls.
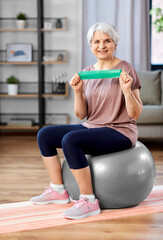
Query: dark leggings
x: 77, y: 140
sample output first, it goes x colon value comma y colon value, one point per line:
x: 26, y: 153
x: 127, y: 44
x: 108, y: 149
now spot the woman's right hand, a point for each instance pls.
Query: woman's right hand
x: 76, y: 83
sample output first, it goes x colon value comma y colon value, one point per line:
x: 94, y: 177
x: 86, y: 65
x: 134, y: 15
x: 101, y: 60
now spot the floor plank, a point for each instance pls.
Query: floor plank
x: 23, y: 175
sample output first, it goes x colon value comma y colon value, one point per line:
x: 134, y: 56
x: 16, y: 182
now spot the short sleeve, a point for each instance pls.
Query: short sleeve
x: 136, y: 81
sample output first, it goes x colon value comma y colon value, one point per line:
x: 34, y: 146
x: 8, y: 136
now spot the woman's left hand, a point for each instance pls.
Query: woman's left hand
x: 125, y: 81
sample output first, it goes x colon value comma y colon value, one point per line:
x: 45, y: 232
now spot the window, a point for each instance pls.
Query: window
x: 156, y: 39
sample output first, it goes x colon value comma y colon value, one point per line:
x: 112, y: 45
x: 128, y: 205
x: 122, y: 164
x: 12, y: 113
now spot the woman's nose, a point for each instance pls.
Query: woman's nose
x: 102, y: 45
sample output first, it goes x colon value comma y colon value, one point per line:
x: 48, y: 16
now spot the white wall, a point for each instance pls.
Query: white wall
x: 65, y: 40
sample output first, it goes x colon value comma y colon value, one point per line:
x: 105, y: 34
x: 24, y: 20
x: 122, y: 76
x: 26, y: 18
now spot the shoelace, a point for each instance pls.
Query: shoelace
x: 47, y: 190
x: 80, y: 203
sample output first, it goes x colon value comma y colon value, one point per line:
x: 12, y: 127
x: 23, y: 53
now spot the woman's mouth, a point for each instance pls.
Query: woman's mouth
x: 102, y: 51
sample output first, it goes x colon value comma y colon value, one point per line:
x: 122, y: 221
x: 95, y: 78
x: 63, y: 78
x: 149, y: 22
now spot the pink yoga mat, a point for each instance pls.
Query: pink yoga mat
x: 23, y: 216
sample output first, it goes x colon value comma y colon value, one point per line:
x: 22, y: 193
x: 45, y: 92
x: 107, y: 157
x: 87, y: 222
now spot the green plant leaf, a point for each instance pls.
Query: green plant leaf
x: 158, y: 23
x: 12, y: 80
x: 21, y: 16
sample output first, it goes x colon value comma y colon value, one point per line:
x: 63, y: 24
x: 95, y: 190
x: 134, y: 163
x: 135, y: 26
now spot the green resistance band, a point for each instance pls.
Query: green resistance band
x: 100, y: 74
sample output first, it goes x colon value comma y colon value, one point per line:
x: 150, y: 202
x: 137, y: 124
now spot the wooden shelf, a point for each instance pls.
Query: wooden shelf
x: 18, y: 63
x: 38, y: 62
x: 49, y: 95
x: 19, y: 96
x: 18, y: 30
x: 33, y: 63
x: 54, y: 62
x: 6, y: 127
x: 31, y: 30
x: 53, y: 29
x: 35, y: 95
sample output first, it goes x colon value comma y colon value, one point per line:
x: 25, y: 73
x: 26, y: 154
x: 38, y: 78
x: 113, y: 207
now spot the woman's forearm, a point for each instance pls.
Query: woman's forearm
x: 80, y: 107
x: 133, y: 104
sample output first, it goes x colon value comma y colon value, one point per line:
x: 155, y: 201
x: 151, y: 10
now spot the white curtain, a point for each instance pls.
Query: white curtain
x: 131, y: 18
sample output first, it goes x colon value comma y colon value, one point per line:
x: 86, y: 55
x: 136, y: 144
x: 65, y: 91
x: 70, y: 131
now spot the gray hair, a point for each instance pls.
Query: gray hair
x: 104, y: 28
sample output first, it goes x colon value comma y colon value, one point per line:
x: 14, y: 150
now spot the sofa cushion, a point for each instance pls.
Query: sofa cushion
x: 150, y: 132
x: 151, y: 115
x: 150, y: 92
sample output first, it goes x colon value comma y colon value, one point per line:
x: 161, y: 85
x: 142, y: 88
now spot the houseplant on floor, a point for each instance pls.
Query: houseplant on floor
x: 21, y: 20
x: 12, y: 85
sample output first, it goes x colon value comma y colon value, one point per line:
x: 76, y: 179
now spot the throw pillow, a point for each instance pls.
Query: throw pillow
x: 150, y: 91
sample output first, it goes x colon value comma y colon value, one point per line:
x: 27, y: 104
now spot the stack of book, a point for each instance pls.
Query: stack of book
x: 20, y: 122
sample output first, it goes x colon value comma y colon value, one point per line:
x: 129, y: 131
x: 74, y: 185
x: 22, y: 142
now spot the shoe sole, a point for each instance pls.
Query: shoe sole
x: 96, y: 212
x: 52, y: 201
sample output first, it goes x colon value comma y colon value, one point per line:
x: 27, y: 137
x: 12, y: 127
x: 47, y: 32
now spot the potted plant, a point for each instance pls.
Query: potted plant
x: 12, y: 85
x: 21, y: 20
x: 58, y: 23
x: 158, y: 22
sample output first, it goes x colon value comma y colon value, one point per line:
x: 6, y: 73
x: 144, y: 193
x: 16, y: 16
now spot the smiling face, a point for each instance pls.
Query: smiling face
x: 102, y: 46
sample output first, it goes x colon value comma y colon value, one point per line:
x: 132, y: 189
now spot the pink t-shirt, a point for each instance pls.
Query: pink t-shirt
x: 106, y: 102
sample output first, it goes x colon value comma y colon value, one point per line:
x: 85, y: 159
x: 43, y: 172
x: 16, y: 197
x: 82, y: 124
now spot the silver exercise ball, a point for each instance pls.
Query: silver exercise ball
x: 121, y: 179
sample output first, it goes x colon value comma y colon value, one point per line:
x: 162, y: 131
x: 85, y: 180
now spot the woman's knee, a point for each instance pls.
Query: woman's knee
x: 70, y: 140
x: 45, y: 135
x: 47, y: 142
x: 41, y: 134
x: 67, y: 140
x: 72, y: 151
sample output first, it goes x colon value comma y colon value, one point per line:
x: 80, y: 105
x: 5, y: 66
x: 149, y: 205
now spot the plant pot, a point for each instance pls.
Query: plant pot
x: 12, y: 89
x: 21, y: 24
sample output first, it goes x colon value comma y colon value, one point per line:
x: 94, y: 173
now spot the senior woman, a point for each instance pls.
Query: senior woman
x: 110, y: 106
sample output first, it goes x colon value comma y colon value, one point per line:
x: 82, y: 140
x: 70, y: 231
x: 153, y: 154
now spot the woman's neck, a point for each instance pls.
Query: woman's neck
x: 106, y: 64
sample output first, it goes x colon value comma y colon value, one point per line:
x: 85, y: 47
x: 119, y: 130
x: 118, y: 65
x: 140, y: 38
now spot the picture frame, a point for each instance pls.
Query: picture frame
x: 19, y: 52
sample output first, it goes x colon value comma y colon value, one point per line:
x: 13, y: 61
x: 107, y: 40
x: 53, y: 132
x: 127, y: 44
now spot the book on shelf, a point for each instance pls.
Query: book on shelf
x: 20, y: 122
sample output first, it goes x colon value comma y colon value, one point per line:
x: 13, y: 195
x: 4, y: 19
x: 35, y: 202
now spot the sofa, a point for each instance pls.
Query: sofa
x: 150, y: 122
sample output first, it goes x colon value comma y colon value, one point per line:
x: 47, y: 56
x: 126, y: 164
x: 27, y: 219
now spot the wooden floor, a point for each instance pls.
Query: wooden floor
x: 22, y: 175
